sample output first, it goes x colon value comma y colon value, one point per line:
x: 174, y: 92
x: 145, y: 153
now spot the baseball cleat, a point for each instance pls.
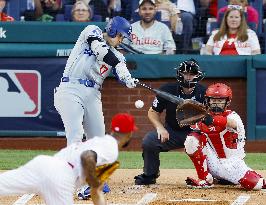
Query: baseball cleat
x: 198, y: 184
x: 85, y: 192
x: 143, y: 179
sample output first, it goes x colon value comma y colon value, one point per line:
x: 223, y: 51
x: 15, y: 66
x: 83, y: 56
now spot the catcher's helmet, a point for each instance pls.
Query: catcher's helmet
x: 118, y: 25
x: 218, y: 91
x: 189, y: 66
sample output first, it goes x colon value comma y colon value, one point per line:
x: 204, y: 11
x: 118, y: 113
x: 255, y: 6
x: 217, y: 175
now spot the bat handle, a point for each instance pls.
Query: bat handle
x: 144, y: 85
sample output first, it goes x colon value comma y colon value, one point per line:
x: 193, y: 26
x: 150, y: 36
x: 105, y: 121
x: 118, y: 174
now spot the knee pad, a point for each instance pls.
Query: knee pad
x: 191, y: 144
x: 194, y: 141
x: 251, y: 180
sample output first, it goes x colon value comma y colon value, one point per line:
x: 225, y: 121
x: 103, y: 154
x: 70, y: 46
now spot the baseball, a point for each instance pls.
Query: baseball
x: 139, y: 104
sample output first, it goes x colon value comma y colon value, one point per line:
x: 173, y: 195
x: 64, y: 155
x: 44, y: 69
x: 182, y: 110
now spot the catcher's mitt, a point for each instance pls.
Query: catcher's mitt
x: 189, y: 112
x: 103, y: 172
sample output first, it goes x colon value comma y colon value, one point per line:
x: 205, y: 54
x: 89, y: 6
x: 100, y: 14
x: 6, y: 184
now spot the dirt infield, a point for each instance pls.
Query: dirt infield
x: 169, y: 190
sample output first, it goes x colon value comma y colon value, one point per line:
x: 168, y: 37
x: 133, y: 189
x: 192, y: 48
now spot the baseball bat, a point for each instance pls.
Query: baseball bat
x: 165, y: 95
x: 130, y: 49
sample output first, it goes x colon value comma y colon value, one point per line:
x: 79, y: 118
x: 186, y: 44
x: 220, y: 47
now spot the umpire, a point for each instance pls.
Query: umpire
x: 170, y: 135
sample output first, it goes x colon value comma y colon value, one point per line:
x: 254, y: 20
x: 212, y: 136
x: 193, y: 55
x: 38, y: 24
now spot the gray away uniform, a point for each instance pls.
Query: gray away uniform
x: 78, y: 97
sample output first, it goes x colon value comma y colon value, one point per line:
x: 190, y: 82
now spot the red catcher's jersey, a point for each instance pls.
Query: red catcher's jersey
x: 227, y: 142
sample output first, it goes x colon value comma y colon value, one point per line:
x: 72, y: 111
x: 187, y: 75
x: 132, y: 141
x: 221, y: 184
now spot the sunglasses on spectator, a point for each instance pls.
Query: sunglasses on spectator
x: 238, y: 7
x: 81, y: 10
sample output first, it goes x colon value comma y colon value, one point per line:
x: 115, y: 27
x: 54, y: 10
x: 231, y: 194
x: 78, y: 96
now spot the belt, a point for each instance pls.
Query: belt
x: 86, y: 82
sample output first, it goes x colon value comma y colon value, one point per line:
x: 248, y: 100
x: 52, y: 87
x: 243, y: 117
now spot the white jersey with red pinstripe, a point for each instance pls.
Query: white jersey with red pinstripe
x: 56, y: 177
x: 105, y: 147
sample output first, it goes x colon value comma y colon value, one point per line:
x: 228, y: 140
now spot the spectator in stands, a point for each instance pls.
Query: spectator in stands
x: 187, y: 15
x: 252, y: 13
x: 4, y: 16
x: 81, y: 12
x: 114, y: 7
x: 46, y: 10
x: 169, y: 13
x: 99, y: 8
x: 149, y: 35
x: 233, y: 37
x: 213, y: 7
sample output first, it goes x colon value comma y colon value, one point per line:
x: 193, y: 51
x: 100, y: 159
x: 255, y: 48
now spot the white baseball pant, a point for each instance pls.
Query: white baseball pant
x: 48, y: 176
x: 80, y: 108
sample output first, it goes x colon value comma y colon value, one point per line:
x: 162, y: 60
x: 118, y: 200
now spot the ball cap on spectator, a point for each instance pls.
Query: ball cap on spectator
x: 124, y: 123
x: 143, y: 1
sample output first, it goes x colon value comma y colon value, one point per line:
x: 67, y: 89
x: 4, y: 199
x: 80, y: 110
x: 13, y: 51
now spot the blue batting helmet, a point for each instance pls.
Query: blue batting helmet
x: 118, y: 25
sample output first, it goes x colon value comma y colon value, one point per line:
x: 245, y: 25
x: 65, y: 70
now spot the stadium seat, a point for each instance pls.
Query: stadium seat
x: 67, y: 13
x: 222, y: 3
x: 59, y: 17
x: 134, y: 7
x: 13, y: 9
x: 97, y: 18
x: 258, y: 5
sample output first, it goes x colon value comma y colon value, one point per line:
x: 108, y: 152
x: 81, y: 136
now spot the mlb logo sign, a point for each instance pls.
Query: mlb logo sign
x: 20, y: 93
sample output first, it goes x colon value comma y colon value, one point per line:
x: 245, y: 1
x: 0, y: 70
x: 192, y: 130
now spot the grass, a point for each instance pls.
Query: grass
x: 10, y: 159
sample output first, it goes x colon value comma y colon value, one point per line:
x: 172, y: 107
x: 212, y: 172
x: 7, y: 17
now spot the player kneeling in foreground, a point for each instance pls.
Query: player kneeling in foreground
x: 216, y: 146
x: 56, y: 177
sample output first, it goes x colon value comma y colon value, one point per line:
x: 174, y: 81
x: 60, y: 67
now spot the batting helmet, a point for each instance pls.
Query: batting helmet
x: 118, y: 25
x: 218, y: 91
x: 189, y: 66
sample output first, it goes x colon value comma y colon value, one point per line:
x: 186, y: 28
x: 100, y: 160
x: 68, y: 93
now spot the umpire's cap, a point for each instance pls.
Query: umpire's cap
x: 124, y: 123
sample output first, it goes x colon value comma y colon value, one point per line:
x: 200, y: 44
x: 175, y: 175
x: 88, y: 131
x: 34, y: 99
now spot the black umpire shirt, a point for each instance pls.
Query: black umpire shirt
x: 159, y: 104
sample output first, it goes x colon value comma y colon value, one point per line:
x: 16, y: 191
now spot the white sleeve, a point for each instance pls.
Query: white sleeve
x: 240, y: 130
x: 122, y: 72
x: 98, y: 46
x: 168, y: 41
x: 211, y: 41
x: 254, y: 41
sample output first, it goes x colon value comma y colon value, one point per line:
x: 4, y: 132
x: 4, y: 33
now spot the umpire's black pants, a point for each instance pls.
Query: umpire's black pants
x: 152, y: 146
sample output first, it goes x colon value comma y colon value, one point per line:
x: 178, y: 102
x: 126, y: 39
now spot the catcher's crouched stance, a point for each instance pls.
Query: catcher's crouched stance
x: 56, y: 177
x: 216, y: 146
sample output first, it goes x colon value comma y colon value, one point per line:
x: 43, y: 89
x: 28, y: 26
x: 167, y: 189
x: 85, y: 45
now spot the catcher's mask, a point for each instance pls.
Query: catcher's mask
x: 218, y: 97
x: 189, y: 66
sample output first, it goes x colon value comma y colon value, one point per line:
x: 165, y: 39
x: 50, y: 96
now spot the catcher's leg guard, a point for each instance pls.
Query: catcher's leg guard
x: 194, y: 144
x: 252, y: 181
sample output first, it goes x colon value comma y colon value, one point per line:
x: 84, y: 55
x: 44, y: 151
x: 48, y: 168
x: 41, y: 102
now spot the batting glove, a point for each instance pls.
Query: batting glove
x: 132, y: 82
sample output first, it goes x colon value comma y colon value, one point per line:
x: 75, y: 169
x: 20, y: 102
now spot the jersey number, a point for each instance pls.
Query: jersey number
x: 230, y: 140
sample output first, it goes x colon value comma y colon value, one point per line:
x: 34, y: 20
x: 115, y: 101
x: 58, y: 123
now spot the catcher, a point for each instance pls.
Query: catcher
x: 216, y: 146
x: 56, y: 177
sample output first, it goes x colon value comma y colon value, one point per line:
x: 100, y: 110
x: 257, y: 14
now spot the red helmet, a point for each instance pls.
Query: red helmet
x: 218, y: 91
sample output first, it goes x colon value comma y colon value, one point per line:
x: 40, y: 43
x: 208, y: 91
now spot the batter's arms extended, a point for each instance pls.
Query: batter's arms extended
x: 103, y: 53
x: 154, y: 117
x: 88, y: 162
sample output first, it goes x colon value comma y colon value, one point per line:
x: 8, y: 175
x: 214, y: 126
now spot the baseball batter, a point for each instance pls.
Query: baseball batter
x: 216, y: 147
x: 56, y: 177
x: 93, y: 58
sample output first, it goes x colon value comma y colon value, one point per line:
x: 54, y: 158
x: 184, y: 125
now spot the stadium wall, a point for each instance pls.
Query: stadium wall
x: 40, y: 56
